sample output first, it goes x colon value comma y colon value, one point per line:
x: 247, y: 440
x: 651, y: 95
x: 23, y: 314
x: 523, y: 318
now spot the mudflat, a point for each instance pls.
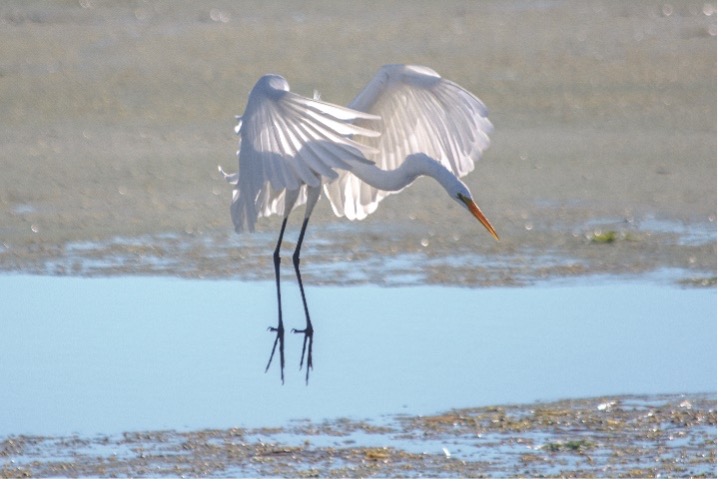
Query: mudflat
x: 610, y: 437
x: 603, y: 160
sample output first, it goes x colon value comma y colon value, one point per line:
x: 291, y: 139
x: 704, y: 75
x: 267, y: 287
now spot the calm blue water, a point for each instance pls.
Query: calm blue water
x: 84, y: 355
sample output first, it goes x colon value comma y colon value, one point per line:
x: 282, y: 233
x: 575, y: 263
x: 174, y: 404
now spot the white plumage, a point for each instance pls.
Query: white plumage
x: 289, y: 143
x: 420, y: 112
x: 407, y: 122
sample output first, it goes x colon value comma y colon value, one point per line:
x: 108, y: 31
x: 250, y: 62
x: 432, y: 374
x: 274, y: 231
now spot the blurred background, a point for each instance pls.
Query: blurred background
x: 115, y: 116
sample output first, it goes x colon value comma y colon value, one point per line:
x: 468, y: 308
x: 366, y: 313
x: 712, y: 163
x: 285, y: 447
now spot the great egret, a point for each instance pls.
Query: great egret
x: 407, y: 122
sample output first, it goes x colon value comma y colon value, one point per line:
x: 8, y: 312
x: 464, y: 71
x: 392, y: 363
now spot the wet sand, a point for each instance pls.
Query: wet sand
x: 638, y: 437
x: 603, y: 159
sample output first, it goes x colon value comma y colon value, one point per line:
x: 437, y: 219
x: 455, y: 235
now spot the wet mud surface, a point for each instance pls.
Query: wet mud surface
x: 603, y: 158
x: 408, y: 255
x: 624, y: 436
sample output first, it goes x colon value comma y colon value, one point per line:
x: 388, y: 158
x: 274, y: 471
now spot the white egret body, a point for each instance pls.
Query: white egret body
x: 407, y: 122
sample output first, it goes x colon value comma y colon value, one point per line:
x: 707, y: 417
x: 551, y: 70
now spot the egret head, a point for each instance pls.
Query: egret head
x: 423, y: 164
x: 465, y: 199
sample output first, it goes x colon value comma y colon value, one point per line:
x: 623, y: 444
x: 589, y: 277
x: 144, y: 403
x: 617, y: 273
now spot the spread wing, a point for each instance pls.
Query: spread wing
x: 287, y: 143
x: 420, y: 112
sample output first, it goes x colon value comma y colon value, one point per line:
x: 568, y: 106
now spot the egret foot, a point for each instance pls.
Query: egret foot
x: 307, y: 341
x: 279, y: 342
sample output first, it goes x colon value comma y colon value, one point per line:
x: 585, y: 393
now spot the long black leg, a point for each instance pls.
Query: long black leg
x: 279, y: 331
x: 308, y: 331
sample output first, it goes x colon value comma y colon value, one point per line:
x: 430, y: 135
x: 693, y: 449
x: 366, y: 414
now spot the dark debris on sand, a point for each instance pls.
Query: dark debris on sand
x: 624, y: 436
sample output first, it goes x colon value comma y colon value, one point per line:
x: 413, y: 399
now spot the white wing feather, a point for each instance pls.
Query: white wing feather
x: 420, y: 112
x: 289, y: 142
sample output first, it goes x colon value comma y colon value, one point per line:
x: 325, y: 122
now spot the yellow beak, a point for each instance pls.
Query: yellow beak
x: 478, y: 214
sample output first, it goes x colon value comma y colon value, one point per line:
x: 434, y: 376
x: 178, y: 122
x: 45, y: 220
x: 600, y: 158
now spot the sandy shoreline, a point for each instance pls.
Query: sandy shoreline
x: 623, y: 436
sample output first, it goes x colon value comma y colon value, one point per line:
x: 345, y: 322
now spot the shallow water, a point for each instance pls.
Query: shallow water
x: 409, y: 254
x: 82, y: 355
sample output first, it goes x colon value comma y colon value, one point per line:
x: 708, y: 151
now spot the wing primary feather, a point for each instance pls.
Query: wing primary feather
x: 310, y: 159
x: 336, y: 111
x: 340, y: 128
x: 322, y: 158
x: 323, y: 132
x: 276, y: 151
x: 295, y: 142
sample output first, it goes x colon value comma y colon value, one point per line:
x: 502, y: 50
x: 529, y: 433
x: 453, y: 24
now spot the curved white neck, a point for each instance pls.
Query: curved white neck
x: 413, y: 166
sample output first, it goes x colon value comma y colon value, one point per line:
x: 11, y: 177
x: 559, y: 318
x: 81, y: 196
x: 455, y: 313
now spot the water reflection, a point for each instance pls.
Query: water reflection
x: 110, y: 355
